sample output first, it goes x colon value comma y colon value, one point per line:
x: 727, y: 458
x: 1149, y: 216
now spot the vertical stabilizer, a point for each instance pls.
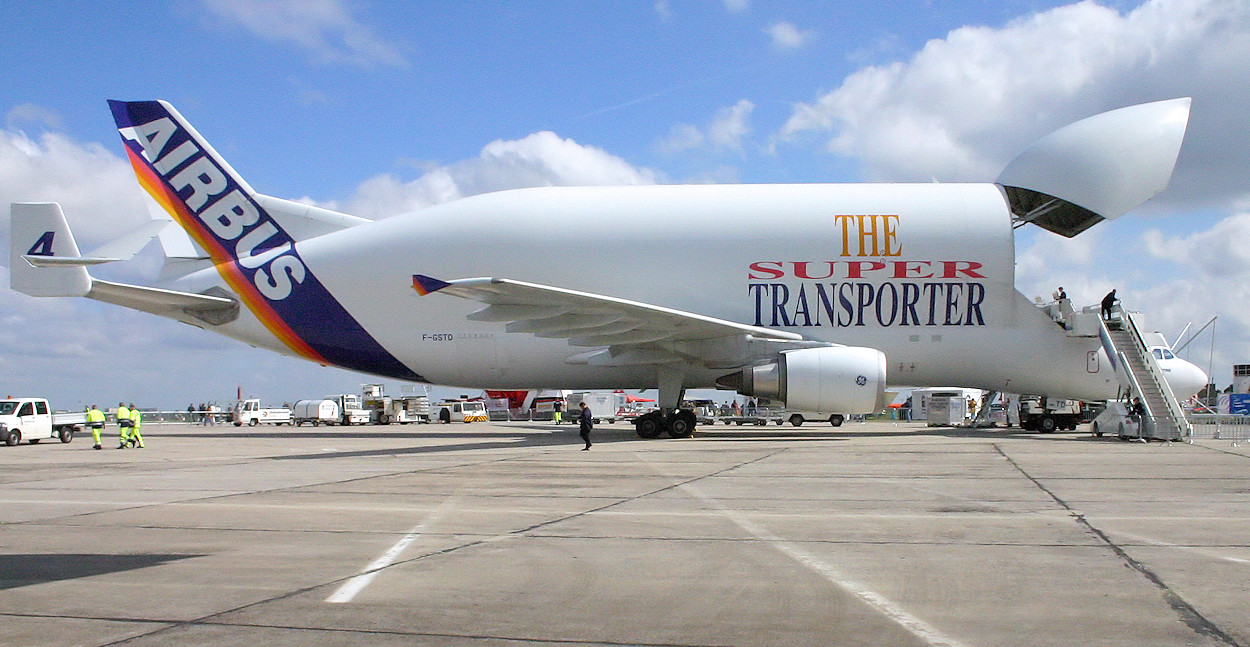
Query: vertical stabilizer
x: 39, y: 230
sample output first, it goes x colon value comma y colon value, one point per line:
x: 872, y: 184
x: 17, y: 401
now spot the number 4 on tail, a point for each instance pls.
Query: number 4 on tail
x: 43, y: 246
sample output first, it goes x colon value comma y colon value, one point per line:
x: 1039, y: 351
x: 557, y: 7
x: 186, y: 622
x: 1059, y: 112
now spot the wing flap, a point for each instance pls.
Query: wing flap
x: 625, y: 332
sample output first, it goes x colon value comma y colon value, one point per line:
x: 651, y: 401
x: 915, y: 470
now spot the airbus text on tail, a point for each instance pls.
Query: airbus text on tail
x: 254, y: 255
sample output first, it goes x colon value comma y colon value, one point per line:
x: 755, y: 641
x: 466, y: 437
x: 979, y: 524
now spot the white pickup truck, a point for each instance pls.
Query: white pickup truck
x: 32, y: 420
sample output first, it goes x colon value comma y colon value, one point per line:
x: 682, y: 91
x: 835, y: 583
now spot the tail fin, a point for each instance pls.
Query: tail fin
x: 38, y: 231
x: 252, y: 250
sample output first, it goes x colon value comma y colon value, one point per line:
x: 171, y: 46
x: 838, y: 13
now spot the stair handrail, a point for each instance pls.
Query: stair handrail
x: 1156, y: 374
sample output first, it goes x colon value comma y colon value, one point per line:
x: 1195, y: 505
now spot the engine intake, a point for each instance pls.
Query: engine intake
x: 836, y: 379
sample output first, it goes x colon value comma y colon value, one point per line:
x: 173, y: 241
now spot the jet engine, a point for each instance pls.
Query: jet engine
x: 836, y: 379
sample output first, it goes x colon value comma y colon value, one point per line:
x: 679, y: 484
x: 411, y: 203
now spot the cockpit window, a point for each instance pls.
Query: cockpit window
x: 1163, y: 353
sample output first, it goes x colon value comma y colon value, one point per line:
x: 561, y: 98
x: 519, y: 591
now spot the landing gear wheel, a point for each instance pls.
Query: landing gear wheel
x: 649, y: 426
x: 681, y: 424
x: 384, y: 419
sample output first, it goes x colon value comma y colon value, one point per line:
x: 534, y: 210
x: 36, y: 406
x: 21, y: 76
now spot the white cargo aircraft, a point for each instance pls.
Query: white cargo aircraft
x: 810, y: 294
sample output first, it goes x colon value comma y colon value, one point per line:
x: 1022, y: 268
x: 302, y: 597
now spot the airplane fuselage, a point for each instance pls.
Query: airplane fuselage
x: 923, y: 272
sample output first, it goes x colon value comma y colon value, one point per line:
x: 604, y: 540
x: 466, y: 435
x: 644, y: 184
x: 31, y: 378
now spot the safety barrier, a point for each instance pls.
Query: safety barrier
x: 1219, y: 426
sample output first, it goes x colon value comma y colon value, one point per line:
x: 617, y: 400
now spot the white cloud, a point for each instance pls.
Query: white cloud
x: 785, y: 35
x: 29, y: 114
x: 737, y: 6
x: 725, y: 132
x: 326, y: 28
x: 964, y: 105
x: 96, y: 188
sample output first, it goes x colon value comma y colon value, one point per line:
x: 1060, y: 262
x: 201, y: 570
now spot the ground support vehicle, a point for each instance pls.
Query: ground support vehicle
x: 350, y: 411
x: 797, y: 418
x: 1039, y: 413
x: 32, y: 420
x: 316, y: 412
x: 604, y: 406
x: 1117, y: 419
x: 756, y: 415
x: 251, y: 413
x: 462, y: 411
x: 384, y: 409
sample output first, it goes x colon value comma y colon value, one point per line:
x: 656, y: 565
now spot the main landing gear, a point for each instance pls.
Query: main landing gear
x: 678, y: 424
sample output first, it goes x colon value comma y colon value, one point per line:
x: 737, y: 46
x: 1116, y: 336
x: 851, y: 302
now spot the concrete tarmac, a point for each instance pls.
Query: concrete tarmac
x: 507, y: 534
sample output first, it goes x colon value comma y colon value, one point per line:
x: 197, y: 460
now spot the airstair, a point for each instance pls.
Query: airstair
x: 1141, y: 377
x: 1135, y: 366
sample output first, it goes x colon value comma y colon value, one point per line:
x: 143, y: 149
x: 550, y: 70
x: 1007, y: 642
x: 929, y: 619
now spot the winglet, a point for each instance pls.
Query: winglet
x: 427, y: 284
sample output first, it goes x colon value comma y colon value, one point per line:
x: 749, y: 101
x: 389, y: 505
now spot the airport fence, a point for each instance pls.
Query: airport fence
x: 1219, y: 426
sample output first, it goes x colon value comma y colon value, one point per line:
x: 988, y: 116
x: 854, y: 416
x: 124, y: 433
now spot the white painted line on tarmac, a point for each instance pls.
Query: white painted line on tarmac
x: 882, y: 604
x: 354, y: 586
x: 1205, y: 552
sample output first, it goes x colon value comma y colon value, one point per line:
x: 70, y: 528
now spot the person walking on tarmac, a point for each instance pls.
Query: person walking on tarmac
x: 585, y: 423
x: 557, y: 411
x: 136, y: 438
x: 124, y: 423
x: 95, y: 420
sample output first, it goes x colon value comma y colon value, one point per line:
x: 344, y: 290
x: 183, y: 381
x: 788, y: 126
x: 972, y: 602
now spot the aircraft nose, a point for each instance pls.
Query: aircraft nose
x: 1186, y: 379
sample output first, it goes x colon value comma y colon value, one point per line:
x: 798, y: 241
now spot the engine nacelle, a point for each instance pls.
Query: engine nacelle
x: 836, y: 379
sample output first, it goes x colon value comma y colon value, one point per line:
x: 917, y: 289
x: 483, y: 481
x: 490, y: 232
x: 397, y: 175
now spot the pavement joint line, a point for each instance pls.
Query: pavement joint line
x: 874, y: 600
x: 1189, y: 615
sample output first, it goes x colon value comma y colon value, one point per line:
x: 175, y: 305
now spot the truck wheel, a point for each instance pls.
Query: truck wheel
x: 66, y: 435
x: 14, y: 438
x: 316, y: 423
x: 253, y: 422
x: 796, y: 420
x: 1046, y: 425
x: 836, y: 419
x: 34, y: 441
x: 239, y: 423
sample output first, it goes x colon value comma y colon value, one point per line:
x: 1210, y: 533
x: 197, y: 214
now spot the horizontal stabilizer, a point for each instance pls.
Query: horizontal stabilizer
x: 38, y: 230
x: 210, y: 308
x: 128, y: 244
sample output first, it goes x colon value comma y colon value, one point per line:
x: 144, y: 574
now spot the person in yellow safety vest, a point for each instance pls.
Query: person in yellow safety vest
x: 95, y: 420
x: 136, y: 438
x: 124, y: 423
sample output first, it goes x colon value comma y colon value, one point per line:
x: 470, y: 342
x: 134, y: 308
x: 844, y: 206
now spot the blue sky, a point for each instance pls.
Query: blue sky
x: 379, y: 108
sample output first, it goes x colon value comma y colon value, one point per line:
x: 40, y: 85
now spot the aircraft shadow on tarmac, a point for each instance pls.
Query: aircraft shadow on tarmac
x: 526, y: 436
x: 27, y: 569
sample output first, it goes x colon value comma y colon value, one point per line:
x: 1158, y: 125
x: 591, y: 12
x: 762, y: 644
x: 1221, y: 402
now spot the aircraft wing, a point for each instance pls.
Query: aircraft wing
x: 632, y: 332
